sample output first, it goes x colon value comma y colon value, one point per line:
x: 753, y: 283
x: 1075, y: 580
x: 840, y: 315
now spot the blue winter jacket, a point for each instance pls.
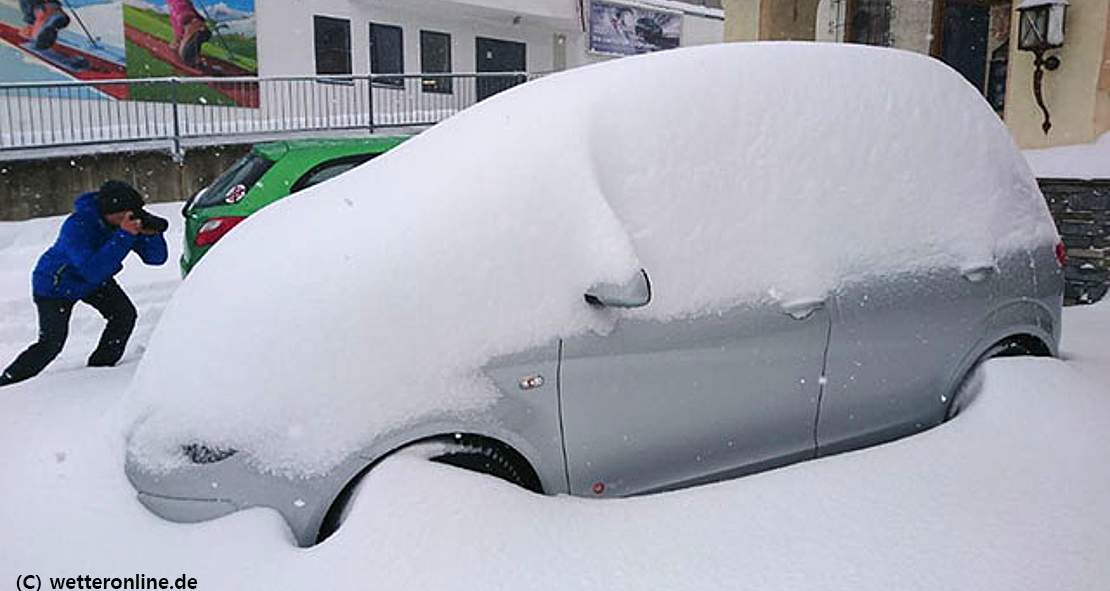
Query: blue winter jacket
x: 89, y: 252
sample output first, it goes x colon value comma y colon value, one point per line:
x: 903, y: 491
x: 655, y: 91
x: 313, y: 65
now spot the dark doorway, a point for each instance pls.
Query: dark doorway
x: 964, y: 30
x: 869, y: 22
x: 435, y: 56
x: 495, y: 55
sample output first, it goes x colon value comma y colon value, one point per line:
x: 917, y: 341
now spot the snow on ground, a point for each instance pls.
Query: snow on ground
x: 1079, y: 161
x: 1011, y: 495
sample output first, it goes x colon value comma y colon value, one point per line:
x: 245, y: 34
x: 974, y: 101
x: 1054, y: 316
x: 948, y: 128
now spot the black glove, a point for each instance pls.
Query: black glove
x: 152, y: 222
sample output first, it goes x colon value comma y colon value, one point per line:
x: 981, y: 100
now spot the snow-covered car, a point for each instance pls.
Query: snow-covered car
x: 626, y: 278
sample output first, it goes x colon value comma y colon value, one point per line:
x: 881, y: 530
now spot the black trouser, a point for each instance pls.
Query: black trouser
x: 54, y: 315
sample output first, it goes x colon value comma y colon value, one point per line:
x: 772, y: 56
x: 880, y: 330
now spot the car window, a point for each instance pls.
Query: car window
x: 231, y: 186
x: 327, y: 170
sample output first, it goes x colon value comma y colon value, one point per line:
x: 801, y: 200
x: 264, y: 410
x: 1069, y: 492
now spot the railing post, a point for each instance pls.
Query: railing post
x: 370, y: 93
x: 177, y: 155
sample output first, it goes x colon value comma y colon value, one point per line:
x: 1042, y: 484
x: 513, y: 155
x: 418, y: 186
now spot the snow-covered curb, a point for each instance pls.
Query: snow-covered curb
x: 1079, y: 161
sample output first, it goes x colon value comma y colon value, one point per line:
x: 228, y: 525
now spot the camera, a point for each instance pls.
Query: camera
x: 151, y: 221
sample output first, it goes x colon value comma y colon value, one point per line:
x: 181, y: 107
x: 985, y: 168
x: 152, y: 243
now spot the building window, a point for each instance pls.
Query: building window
x: 869, y: 22
x: 996, y: 78
x: 435, y: 56
x: 387, y: 54
x: 333, y: 45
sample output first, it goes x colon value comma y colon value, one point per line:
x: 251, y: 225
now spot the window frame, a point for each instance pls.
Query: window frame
x: 437, y: 84
x: 317, y: 38
x: 396, y: 82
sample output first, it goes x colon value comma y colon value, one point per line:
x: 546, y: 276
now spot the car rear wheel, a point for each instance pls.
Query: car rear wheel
x: 972, y: 383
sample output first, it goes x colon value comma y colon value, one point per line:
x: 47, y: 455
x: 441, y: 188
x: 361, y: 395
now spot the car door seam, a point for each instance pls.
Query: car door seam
x: 559, y: 404
x: 821, y: 383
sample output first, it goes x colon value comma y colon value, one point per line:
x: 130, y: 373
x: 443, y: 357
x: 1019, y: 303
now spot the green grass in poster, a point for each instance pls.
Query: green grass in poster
x: 142, y: 64
x: 243, y: 50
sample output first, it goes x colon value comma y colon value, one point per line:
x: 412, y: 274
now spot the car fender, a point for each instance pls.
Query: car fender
x: 1018, y: 317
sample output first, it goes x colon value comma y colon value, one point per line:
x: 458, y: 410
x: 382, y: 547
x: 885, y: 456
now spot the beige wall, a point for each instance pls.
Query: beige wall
x: 750, y: 20
x: 788, y: 21
x: 1077, y: 94
x: 741, y: 20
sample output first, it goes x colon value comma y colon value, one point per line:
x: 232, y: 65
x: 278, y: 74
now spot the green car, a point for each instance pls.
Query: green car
x: 270, y: 172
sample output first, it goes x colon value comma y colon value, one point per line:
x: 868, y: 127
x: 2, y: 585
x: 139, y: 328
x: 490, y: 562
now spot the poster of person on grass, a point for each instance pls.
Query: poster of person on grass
x: 91, y: 40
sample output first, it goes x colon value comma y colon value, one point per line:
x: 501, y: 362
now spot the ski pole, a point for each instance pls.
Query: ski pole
x: 215, y: 26
x: 82, y: 23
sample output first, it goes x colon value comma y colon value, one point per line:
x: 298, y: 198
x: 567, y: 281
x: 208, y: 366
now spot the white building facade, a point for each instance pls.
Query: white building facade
x: 304, y: 37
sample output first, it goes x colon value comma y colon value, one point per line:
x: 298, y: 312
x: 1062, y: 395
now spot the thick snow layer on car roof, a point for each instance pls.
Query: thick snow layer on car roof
x: 731, y: 173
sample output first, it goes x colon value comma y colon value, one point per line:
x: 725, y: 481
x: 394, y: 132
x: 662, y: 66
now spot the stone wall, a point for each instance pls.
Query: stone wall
x: 45, y: 187
x: 1082, y: 213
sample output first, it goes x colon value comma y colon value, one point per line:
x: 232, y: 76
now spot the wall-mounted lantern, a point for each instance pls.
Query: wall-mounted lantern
x: 1041, y: 28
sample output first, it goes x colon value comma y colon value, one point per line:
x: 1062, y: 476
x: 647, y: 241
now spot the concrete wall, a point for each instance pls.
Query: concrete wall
x: 1077, y: 94
x: 45, y: 187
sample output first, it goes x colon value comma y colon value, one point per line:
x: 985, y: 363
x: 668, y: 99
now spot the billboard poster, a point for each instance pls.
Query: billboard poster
x: 623, y: 29
x: 91, y: 40
x: 45, y: 42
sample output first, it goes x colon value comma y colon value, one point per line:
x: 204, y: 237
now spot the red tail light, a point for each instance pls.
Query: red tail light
x: 1061, y: 254
x: 215, y: 228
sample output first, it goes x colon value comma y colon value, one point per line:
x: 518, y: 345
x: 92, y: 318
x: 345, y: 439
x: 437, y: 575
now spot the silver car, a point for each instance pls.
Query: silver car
x: 658, y: 403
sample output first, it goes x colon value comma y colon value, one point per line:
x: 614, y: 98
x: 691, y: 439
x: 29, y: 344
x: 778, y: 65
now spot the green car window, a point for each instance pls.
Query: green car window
x: 234, y: 183
x: 327, y: 170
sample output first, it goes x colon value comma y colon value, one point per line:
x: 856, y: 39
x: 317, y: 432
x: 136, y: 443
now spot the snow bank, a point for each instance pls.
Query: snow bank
x: 1010, y: 496
x: 730, y: 173
x: 1079, y: 161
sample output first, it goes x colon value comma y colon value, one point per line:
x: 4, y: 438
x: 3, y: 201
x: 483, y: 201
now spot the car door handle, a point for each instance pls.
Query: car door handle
x: 978, y: 272
x: 801, y: 309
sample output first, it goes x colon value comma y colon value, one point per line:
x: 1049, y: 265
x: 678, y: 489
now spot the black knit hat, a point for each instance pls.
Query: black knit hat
x: 116, y: 196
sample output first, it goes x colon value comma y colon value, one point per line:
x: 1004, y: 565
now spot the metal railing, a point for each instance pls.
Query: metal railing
x: 199, y: 111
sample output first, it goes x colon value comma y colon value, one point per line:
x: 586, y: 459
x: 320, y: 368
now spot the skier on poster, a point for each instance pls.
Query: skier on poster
x: 190, y: 31
x: 42, y: 20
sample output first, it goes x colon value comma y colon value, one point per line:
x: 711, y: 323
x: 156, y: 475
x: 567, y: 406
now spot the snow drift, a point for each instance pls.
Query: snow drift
x: 730, y: 173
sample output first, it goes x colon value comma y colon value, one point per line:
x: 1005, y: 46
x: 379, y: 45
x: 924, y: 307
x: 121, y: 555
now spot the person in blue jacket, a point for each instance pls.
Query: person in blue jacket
x: 105, y: 226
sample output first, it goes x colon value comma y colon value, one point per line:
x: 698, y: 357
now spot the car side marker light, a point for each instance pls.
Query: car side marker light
x: 531, y: 382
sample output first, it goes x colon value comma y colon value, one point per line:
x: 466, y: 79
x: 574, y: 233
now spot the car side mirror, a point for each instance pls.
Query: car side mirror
x: 634, y: 294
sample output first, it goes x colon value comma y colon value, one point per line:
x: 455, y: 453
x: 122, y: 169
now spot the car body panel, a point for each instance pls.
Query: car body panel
x: 895, y: 341
x: 650, y: 403
x: 893, y: 368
